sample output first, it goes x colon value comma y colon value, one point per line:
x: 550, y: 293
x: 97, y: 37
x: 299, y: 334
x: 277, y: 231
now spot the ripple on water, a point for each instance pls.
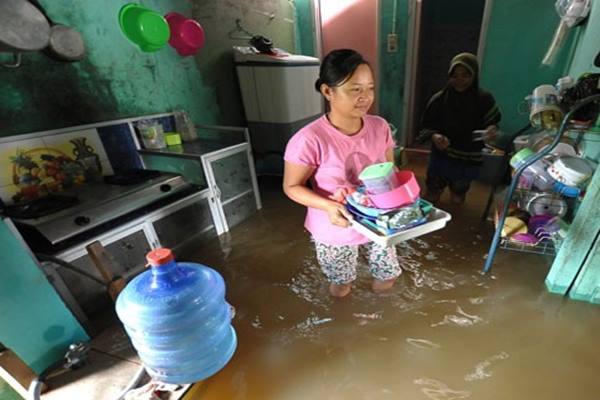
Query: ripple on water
x: 310, y: 284
x: 437, y: 390
x: 481, y: 368
x: 461, y: 319
x: 423, y: 343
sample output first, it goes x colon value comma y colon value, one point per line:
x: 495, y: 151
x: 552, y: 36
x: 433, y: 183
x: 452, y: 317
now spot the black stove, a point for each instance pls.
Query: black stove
x: 90, y: 208
x: 40, y: 207
x: 131, y: 177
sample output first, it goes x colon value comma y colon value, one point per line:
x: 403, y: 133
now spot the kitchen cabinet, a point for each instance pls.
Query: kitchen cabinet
x: 228, y: 172
x: 178, y: 226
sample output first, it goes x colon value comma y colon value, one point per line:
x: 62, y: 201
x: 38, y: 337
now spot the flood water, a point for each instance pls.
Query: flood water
x: 444, y: 332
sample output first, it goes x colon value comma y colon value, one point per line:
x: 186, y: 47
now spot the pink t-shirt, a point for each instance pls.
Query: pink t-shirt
x: 338, y: 159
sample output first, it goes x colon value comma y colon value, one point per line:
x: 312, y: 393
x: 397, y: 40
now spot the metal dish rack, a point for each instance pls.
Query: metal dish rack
x: 544, y: 247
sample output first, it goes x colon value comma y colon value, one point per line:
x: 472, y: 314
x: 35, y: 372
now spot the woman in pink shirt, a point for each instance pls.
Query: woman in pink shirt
x: 330, y: 153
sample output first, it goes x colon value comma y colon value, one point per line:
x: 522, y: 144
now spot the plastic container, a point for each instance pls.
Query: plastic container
x: 144, y: 27
x: 572, y: 171
x: 541, y: 179
x: 172, y: 138
x: 535, y: 175
x: 406, y: 192
x: 520, y: 157
x: 184, y: 126
x: 379, y: 178
x: 187, y: 35
x: 436, y: 219
x: 153, y: 136
x: 178, y: 320
x: 545, y: 111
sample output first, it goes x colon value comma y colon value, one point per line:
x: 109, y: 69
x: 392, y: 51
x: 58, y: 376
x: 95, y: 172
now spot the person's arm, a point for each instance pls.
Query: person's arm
x: 295, y: 177
x: 430, y: 124
x: 389, y: 155
x: 491, y: 116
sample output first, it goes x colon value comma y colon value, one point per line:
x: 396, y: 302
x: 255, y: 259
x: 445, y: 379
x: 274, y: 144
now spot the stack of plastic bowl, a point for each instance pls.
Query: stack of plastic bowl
x: 388, y: 188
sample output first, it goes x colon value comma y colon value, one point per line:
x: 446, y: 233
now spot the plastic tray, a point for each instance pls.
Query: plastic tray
x: 436, y: 220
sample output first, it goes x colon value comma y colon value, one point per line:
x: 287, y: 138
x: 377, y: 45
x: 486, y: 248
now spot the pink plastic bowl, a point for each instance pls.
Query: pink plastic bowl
x: 187, y: 35
x: 407, y: 192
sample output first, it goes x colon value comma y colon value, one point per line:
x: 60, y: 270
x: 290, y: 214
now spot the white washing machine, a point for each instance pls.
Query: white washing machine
x: 279, y: 98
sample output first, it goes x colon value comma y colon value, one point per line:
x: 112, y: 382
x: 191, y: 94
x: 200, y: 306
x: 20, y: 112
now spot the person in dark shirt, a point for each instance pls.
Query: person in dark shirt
x: 450, y: 119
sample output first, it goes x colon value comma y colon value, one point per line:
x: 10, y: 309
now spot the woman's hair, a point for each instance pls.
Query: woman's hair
x: 338, y: 66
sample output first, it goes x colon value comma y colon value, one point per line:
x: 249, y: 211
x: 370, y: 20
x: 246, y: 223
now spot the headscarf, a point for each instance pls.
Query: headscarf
x: 457, y: 114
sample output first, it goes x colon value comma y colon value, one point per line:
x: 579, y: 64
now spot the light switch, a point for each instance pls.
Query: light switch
x: 392, y: 42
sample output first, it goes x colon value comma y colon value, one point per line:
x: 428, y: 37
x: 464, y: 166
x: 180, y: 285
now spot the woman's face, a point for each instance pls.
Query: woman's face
x: 460, y: 78
x: 355, y: 96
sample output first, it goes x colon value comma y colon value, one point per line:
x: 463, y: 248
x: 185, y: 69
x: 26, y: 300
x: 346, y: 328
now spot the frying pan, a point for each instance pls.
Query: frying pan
x: 65, y: 43
x: 22, y: 27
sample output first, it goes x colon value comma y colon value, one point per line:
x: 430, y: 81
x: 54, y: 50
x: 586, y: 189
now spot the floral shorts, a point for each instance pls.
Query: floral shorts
x: 339, y: 263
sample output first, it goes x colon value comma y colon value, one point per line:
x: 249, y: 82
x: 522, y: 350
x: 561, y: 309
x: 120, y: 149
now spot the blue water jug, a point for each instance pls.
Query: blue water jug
x: 177, y: 319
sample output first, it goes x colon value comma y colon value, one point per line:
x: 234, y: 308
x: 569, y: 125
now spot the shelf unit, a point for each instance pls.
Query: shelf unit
x: 542, y: 248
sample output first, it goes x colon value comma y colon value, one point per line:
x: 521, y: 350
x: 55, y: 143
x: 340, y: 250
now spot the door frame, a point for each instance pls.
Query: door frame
x: 413, y: 40
x: 318, y: 38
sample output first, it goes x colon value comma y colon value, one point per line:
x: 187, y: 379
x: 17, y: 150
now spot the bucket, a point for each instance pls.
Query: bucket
x: 187, y: 35
x: 545, y: 111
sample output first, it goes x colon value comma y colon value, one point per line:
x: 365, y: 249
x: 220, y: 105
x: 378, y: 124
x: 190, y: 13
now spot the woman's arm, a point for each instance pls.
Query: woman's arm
x: 389, y: 155
x: 295, y: 177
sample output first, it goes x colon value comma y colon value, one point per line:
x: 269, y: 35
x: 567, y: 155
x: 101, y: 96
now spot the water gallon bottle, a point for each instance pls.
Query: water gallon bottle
x: 177, y: 319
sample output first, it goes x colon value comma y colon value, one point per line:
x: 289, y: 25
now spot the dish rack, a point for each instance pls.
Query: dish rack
x: 546, y: 247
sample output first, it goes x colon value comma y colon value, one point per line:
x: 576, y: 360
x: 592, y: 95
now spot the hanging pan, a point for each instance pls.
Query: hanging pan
x: 65, y: 44
x: 23, y: 27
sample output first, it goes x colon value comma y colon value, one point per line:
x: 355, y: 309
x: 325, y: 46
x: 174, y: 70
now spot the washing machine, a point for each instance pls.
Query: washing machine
x: 279, y: 96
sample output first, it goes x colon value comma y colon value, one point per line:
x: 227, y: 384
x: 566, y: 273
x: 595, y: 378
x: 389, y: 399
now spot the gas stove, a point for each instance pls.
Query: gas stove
x: 92, y: 205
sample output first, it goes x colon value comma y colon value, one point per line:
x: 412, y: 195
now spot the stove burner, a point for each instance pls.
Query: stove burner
x: 40, y: 207
x: 131, y: 177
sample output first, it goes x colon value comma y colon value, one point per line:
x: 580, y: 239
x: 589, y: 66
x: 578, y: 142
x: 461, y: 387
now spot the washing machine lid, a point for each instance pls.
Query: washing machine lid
x: 247, y: 55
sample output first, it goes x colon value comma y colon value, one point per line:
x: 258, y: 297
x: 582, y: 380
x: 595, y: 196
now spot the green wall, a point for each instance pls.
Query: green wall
x: 588, y: 44
x: 115, y: 79
x: 304, y: 28
x: 392, y: 65
x: 518, y: 36
x: 36, y: 324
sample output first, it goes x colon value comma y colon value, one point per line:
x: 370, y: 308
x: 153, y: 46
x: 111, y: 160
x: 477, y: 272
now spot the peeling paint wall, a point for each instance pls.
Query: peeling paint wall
x: 518, y: 36
x: 273, y: 19
x: 117, y: 80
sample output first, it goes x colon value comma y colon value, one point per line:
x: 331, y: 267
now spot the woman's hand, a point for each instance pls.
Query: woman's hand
x: 490, y: 133
x: 338, y: 215
x: 440, y: 141
x: 341, y: 193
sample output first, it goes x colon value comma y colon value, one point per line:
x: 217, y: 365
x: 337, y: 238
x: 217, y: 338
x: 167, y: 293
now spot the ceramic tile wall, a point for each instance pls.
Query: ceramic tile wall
x: 30, y: 168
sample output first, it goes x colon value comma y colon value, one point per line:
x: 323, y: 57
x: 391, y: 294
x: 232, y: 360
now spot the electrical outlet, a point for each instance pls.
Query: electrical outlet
x: 392, y: 43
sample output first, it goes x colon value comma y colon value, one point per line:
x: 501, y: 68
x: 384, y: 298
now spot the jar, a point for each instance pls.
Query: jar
x: 152, y: 134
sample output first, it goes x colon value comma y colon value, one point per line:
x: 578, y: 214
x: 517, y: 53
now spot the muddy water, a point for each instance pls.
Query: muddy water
x: 443, y: 332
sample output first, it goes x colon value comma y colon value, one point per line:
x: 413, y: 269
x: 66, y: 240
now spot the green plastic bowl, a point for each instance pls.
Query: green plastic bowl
x: 144, y: 27
x: 520, y: 156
